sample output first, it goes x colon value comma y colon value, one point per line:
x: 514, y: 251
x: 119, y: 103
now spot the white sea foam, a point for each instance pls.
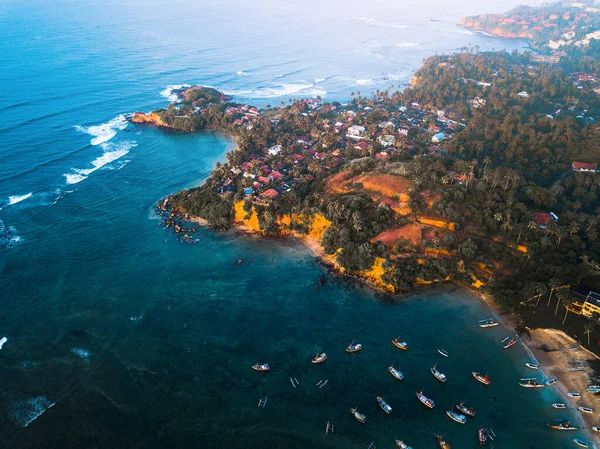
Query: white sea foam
x: 82, y: 353
x: 319, y: 80
x: 282, y: 90
x: 364, y: 82
x: 104, y: 132
x: 2, y: 341
x: 407, y: 44
x: 167, y: 92
x: 27, y: 411
x: 8, y: 236
x: 241, y: 72
x: 112, y: 152
x: 372, y: 21
x: 14, y: 199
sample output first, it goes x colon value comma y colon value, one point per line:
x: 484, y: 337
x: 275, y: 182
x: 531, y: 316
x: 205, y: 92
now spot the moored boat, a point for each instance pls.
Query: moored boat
x: 443, y: 352
x: 508, y: 342
x: 574, y: 395
x: 437, y: 374
x: 442, y: 442
x: 261, y: 367
x: 461, y: 419
x: 550, y: 382
x: 579, y: 442
x: 402, y: 445
x: 561, y: 424
x: 482, y: 436
x: 596, y: 428
x: 359, y: 416
x: 319, y: 358
x: 531, y: 382
x: 558, y: 405
x: 400, y: 344
x: 532, y: 365
x: 594, y: 389
x: 585, y: 409
x: 384, y: 405
x: 488, y: 322
x: 425, y: 400
x: 352, y: 347
x: 394, y: 372
x: 484, y: 379
x: 469, y: 411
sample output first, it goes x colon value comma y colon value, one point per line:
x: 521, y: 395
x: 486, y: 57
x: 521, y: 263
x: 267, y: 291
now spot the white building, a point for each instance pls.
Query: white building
x: 355, y: 132
x: 275, y: 150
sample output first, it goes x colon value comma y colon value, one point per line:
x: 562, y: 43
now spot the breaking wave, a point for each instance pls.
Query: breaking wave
x: 282, y: 90
x: 8, y: 236
x: 372, y: 21
x: 407, y: 44
x: 111, y: 153
x: 82, y: 353
x: 168, y: 92
x: 25, y: 412
x: 104, y: 132
x: 14, y: 199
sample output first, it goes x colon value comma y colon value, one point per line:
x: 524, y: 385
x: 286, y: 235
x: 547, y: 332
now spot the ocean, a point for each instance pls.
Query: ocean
x: 121, y: 337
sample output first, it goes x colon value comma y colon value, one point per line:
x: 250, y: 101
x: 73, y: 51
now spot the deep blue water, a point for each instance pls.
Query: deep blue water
x: 120, y: 337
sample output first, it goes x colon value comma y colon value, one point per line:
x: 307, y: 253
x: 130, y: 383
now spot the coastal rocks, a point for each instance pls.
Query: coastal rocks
x: 152, y: 119
x: 474, y: 24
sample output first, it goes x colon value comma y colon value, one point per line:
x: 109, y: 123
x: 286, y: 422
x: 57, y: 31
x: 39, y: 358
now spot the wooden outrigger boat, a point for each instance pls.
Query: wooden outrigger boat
x: 353, y: 347
x: 261, y: 367
x: 425, y: 400
x: 384, y: 405
x: 531, y: 382
x: 394, y: 372
x: 580, y: 442
x: 558, y: 405
x: 596, y: 428
x: 594, y: 389
x: 585, y: 409
x: 402, y: 445
x: 485, y: 380
x: 400, y: 344
x: 359, y: 416
x: 319, y: 358
x: 482, y: 436
x: 443, y: 352
x: 551, y: 382
x: 469, y: 411
x: 437, y: 374
x: 532, y: 365
x: 562, y: 424
x: 442, y: 443
x: 488, y: 322
x: 574, y: 395
x: 508, y: 342
x: 461, y: 419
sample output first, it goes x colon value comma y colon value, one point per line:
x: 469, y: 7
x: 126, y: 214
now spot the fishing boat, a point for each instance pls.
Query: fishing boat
x: 485, y: 380
x: 580, y: 442
x: 319, y: 358
x: 594, y: 389
x: 443, y: 352
x: 561, y: 424
x: 488, y: 322
x: 394, y: 372
x: 425, y: 400
x: 585, y: 409
x: 482, y: 436
x: 550, y: 382
x: 469, y: 411
x: 359, y: 416
x: 596, y: 428
x: 354, y: 347
x: 437, y: 374
x: 508, y: 342
x: 384, y: 405
x: 532, y: 365
x: 442, y: 443
x: 261, y: 367
x: 400, y: 344
x: 531, y: 382
x: 558, y: 405
x: 461, y: 419
x: 402, y: 445
x: 574, y: 395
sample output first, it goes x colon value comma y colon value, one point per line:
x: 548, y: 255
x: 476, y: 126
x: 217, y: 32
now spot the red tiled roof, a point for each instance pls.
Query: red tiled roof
x: 584, y: 166
x: 271, y: 193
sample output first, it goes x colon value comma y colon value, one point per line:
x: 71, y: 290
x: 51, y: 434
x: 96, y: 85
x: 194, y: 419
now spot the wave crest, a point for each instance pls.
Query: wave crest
x: 112, y: 152
x: 104, y: 132
x: 14, y: 199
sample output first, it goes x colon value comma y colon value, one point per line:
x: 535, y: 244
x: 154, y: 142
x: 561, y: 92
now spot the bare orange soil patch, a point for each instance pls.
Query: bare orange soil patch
x: 413, y: 232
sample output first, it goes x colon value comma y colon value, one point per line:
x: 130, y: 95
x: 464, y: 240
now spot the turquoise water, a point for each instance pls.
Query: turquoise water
x: 120, y: 337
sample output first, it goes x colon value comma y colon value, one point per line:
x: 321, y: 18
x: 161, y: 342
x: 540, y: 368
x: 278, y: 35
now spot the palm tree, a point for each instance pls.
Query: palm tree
x: 589, y: 327
x: 553, y: 285
x: 567, y: 304
x: 561, y: 296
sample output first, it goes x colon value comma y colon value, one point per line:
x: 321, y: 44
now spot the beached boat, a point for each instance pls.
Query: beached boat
x: 580, y: 442
x: 488, y: 322
x: 461, y: 419
x: 585, y: 409
x: 508, y: 342
x: 561, y: 424
x: 482, y: 436
x: 261, y: 367
x: 532, y: 365
x: 558, y: 405
x: 531, y: 382
x: 550, y: 382
x: 596, y: 428
x: 469, y: 411
x: 425, y: 400
x: 484, y: 379
x: 384, y: 405
x: 594, y: 389
x: 359, y: 416
x: 574, y: 395
x: 400, y: 344
x: 402, y: 445
x: 437, y: 374
x: 443, y: 352
x: 319, y: 358
x: 442, y: 443
x: 354, y: 347
x: 394, y: 372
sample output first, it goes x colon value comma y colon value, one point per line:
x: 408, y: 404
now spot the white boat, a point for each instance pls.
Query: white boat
x: 532, y: 365
x: 550, y: 382
x: 580, y: 442
x: 319, y: 358
x: 558, y: 405
x: 443, y: 352
x: 359, y: 416
x: 461, y: 419
x: 596, y: 428
x: 585, y: 409
x: 595, y: 389
x: 394, y: 372
x: 261, y: 367
x: 402, y: 445
x: 485, y: 380
x: 425, y: 400
x: 531, y: 383
x: 508, y: 342
x: 384, y: 405
x: 437, y: 374
x: 469, y: 411
x: 574, y: 395
x: 354, y: 347
x: 488, y: 322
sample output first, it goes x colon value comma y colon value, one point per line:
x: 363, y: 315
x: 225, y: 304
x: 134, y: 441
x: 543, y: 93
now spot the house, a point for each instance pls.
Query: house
x: 361, y: 146
x: 584, y: 167
x: 403, y: 130
x: 298, y: 157
x: 382, y: 155
x: 276, y: 175
x: 263, y: 180
x: 271, y: 193
x: 355, y: 132
x: 386, y: 140
x: 275, y: 150
x: 385, y: 125
x: 438, y: 137
x: 541, y: 219
x: 523, y: 94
